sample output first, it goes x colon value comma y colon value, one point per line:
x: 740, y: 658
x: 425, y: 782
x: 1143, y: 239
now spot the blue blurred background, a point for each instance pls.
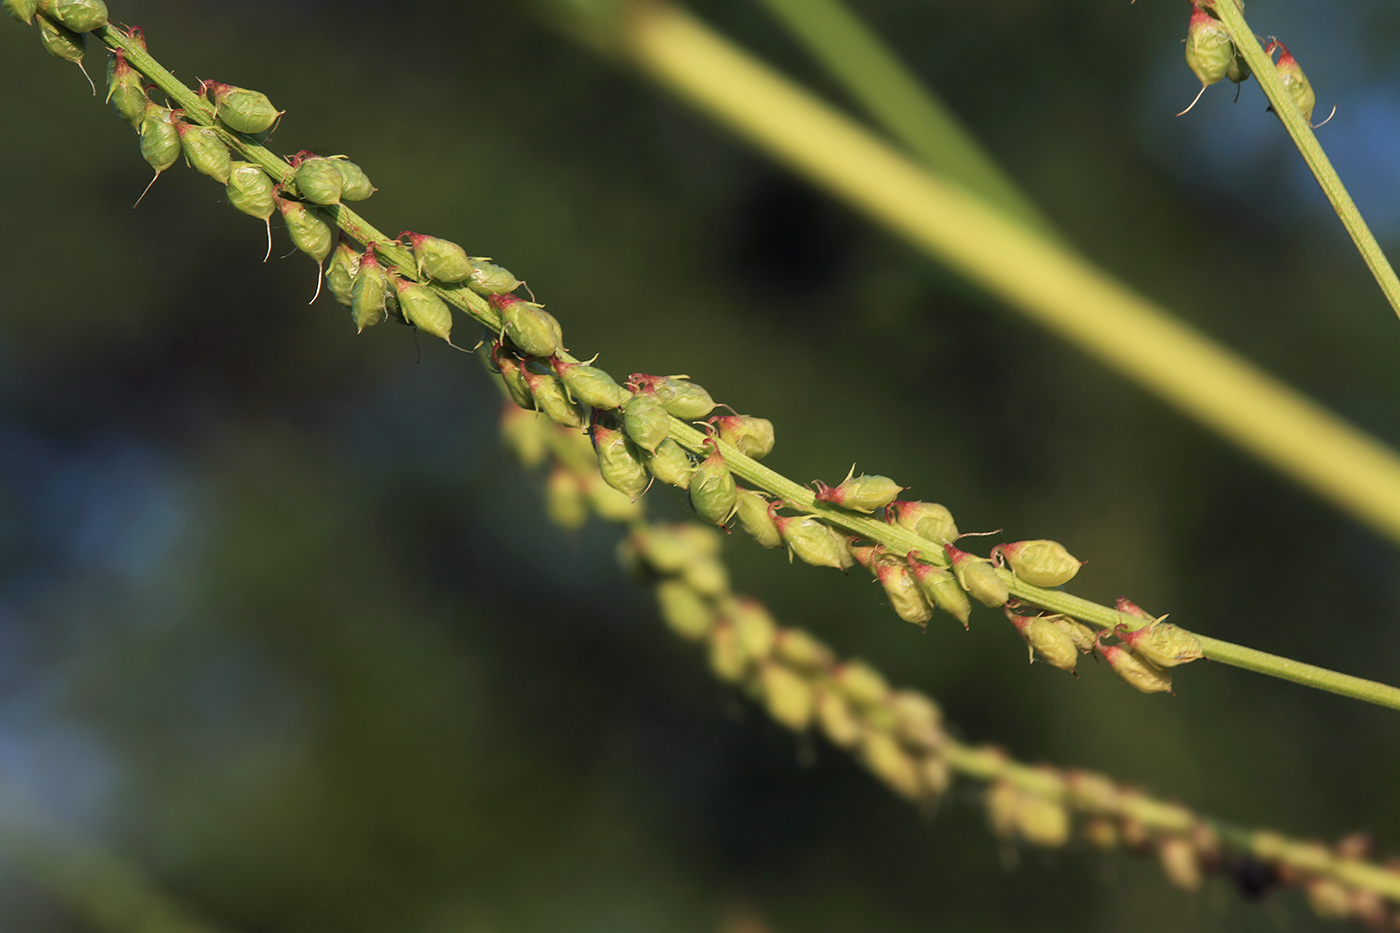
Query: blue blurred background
x: 282, y: 624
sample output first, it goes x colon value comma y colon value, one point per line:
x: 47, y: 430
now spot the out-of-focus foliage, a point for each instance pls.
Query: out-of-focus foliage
x: 280, y: 622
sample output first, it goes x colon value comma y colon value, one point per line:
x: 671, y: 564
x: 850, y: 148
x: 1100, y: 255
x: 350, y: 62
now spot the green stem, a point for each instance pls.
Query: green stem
x: 900, y: 102
x: 1298, y: 128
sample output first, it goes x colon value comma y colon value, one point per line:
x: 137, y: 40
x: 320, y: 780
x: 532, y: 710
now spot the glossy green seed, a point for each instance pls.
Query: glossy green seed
x: 369, y: 292
x: 902, y: 589
x: 862, y: 493
x: 512, y: 374
x: 1137, y: 671
x: 355, y: 184
x: 928, y: 520
x: 978, y: 577
x: 250, y: 190
x: 669, y: 463
x: 124, y: 90
x: 60, y: 41
x: 340, y: 274
x: 318, y: 180
x: 22, y: 10
x: 646, y: 421
x: 424, y: 309
x: 529, y: 326
x: 713, y: 492
x: 1039, y: 562
x: 240, y: 109
x: 753, y: 437
x: 1208, y: 47
x: 941, y: 588
x: 751, y: 507
x: 548, y: 392
x: 681, y: 398
x: 440, y: 259
x: 487, y: 278
x: 1162, y: 643
x: 205, y: 151
x: 618, y: 459
x: 1299, y: 87
x: 1046, y: 639
x: 77, y: 15
x: 1239, y: 70
x: 590, y: 385
x: 310, y: 232
x: 812, y: 541
x: 160, y: 141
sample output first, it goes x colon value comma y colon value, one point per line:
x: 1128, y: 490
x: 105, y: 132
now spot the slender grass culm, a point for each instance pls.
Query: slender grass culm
x: 612, y: 442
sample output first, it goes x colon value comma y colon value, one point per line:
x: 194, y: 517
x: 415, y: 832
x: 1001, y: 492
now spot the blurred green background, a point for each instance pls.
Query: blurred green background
x: 282, y: 624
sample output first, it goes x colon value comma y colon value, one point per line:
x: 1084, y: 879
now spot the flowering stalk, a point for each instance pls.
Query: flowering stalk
x: 1301, y: 132
x: 899, y: 736
x: 528, y: 353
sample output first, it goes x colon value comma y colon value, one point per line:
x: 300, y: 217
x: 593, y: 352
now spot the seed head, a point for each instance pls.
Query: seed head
x: 752, y: 509
x: 564, y: 500
x: 126, y: 93
x: 317, y: 180
x: 646, y: 420
x: 888, y: 761
x: 422, y: 308
x: 800, y: 650
x: 590, y: 385
x: 670, y: 463
x: 240, y: 109
x: 1043, y: 637
x: 77, y: 15
x: 941, y: 588
x: 369, y: 292
x: 487, y: 278
x: 617, y: 457
x: 22, y: 10
x: 1078, y: 632
x: 978, y: 577
x: 753, y: 627
x: 1137, y: 671
x: 727, y: 659
x: 160, y: 141
x: 250, y: 190
x: 1039, y: 563
x: 681, y: 398
x: 812, y: 540
x: 787, y: 695
x: 926, y: 519
x: 528, y: 325
x: 713, y: 492
x: 340, y: 273
x: 1161, y: 643
x: 863, y: 493
x: 861, y: 684
x: 837, y: 720
x: 685, y: 612
x: 752, y: 437
x: 204, y: 150
x: 1208, y: 47
x: 60, y: 41
x: 440, y: 259
x: 309, y: 231
x: 902, y: 588
x: 355, y: 184
x: 549, y: 395
x: 1297, y: 83
x: 918, y: 722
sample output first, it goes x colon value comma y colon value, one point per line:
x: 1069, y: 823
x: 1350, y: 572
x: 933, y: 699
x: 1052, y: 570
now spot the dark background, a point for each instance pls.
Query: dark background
x: 282, y: 624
